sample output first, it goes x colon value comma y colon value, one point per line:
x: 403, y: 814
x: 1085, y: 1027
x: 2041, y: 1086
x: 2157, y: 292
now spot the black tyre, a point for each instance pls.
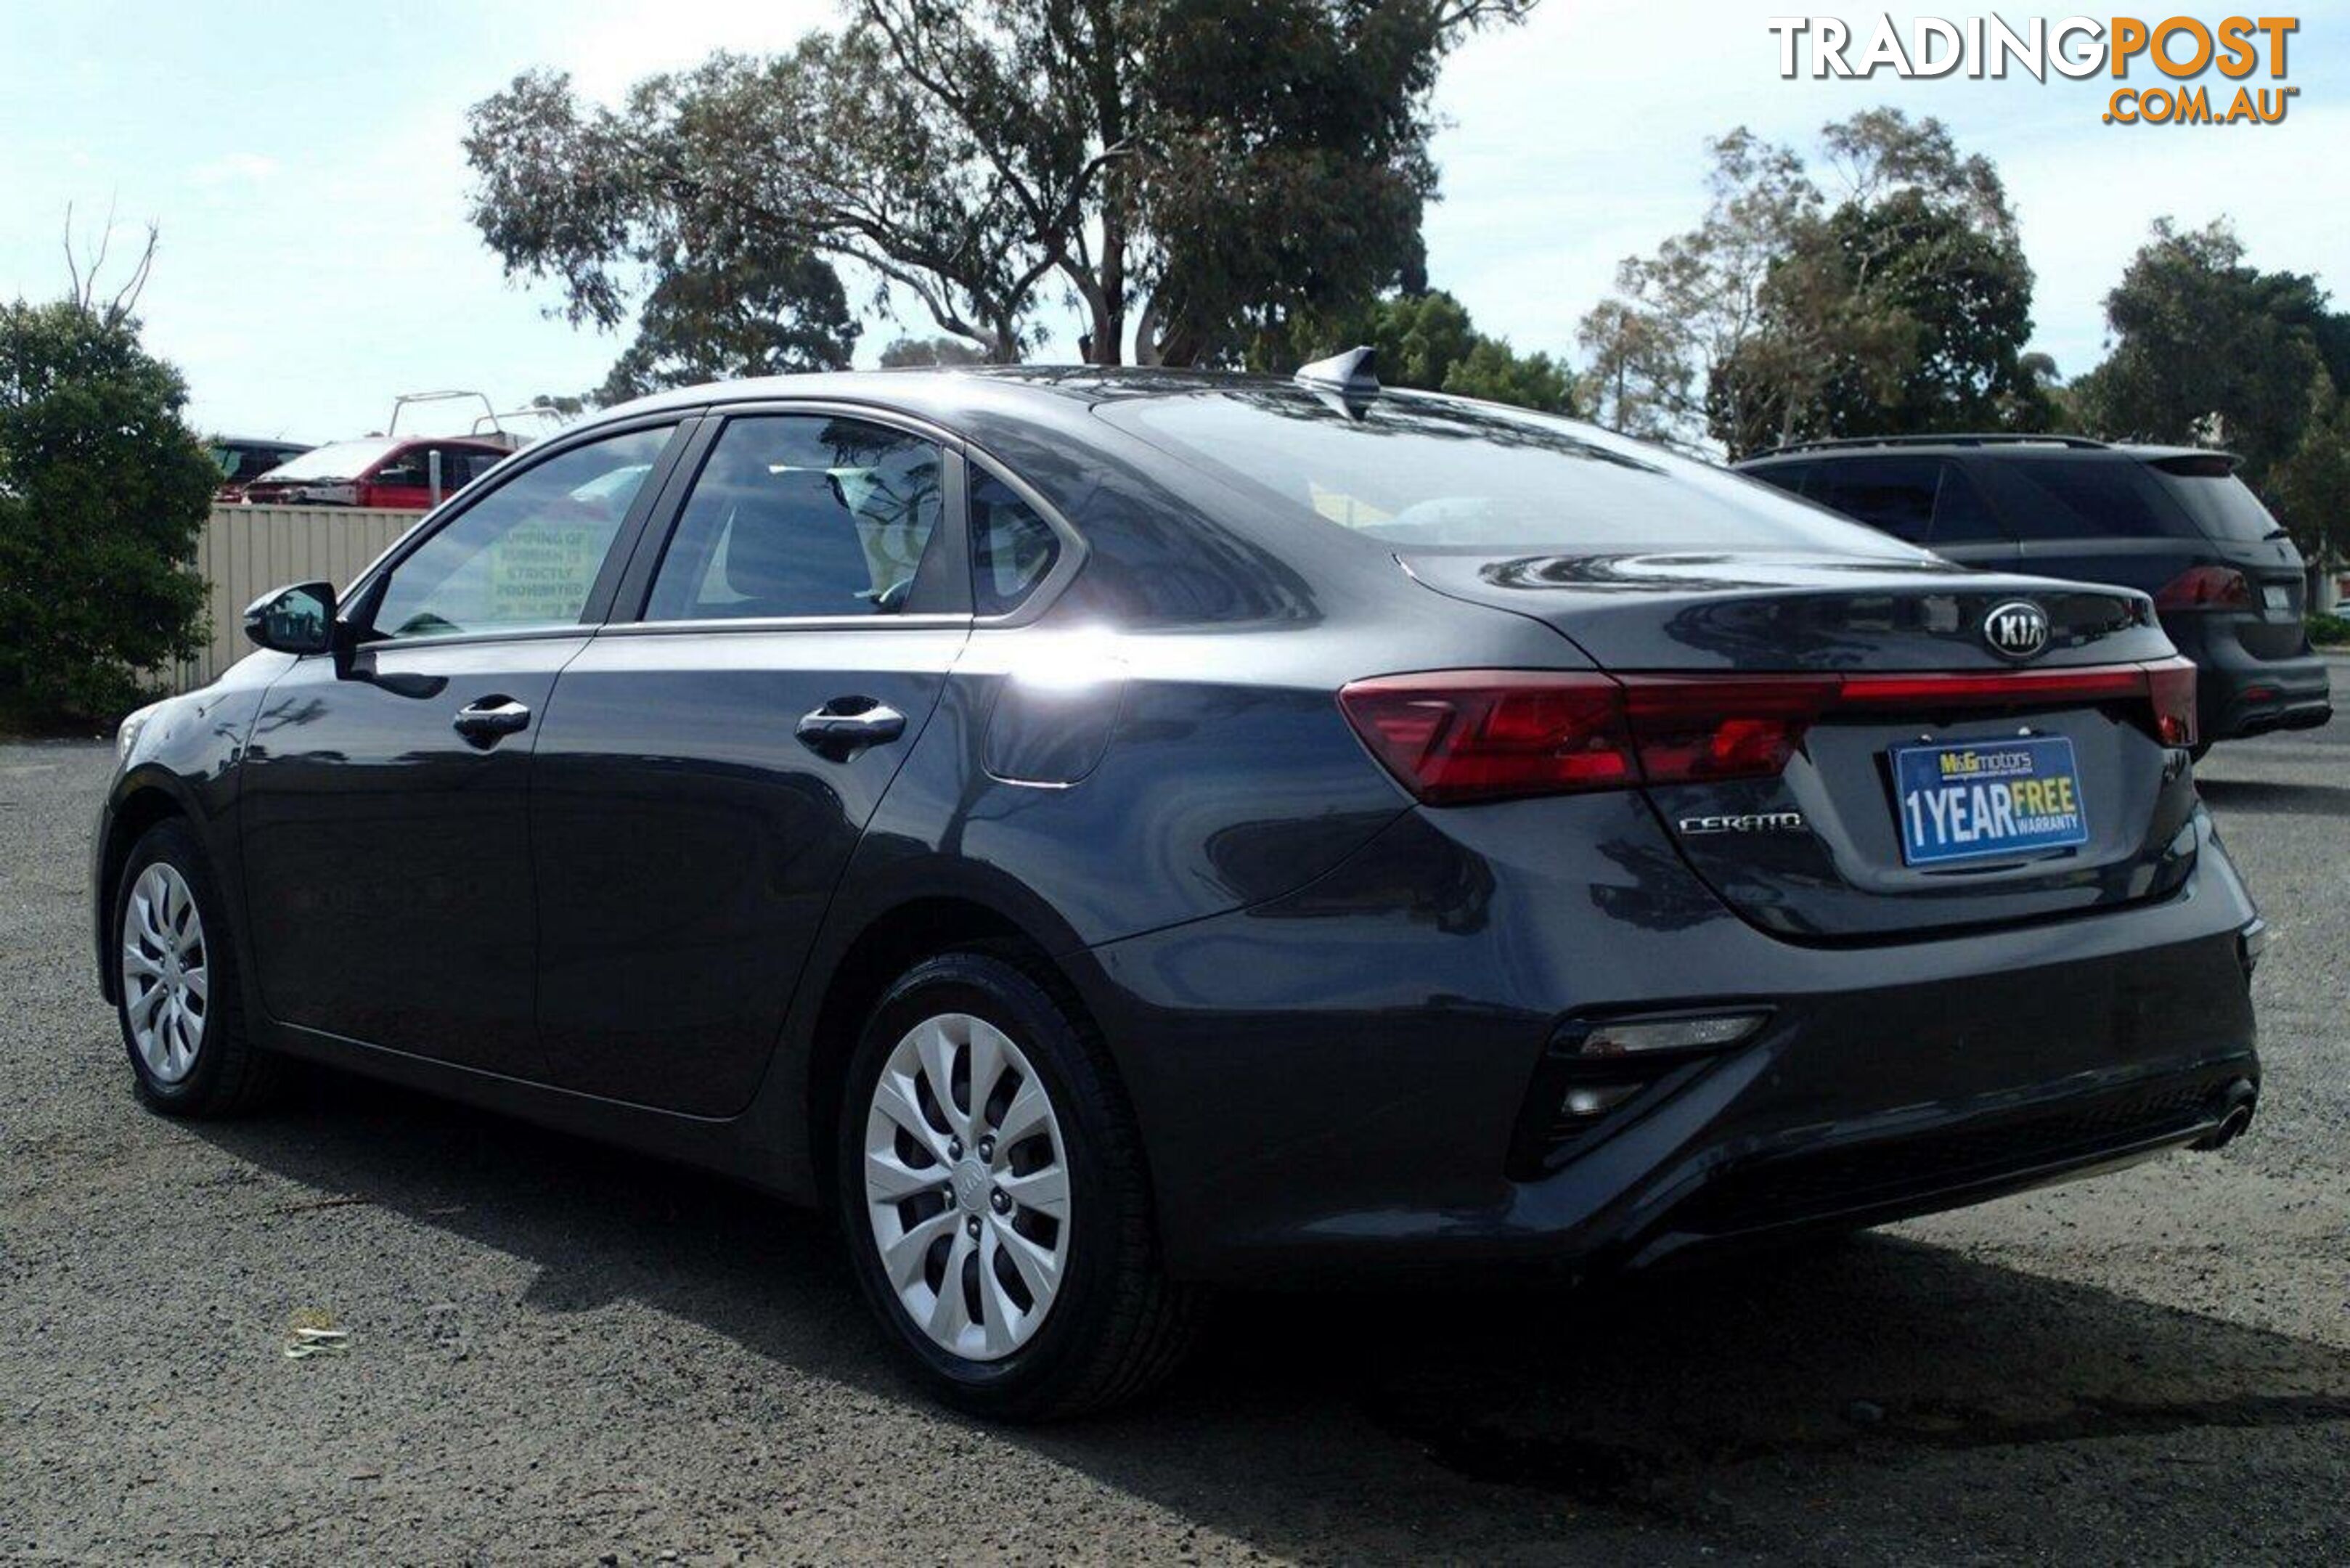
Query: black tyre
x: 994, y: 1197
x: 180, y: 1007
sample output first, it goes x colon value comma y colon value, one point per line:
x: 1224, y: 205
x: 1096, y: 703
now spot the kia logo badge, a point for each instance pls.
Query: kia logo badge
x: 2017, y: 629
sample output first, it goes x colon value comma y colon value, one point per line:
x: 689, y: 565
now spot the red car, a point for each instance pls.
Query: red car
x: 381, y: 471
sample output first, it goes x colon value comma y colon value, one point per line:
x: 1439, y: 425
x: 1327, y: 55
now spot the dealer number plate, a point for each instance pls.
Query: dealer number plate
x: 1987, y: 799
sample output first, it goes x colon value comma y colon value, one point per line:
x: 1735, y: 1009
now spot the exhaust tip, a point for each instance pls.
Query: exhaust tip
x: 2235, y: 1104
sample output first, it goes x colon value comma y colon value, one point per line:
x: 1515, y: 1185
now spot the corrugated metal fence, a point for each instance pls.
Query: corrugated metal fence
x: 248, y: 550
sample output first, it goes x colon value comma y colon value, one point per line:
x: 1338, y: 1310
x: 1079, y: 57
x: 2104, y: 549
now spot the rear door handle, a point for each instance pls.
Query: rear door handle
x: 490, y: 720
x: 848, y: 724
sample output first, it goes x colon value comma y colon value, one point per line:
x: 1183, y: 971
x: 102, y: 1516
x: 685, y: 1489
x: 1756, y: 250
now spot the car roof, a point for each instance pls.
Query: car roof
x: 945, y: 389
x: 2000, y: 444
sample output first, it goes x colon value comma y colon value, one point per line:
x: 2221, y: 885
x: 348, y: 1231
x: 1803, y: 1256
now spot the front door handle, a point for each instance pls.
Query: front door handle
x: 848, y: 724
x: 490, y: 720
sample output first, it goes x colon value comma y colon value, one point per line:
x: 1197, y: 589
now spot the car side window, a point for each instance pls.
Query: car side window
x: 801, y: 514
x: 2069, y: 497
x: 1787, y: 476
x: 1894, y: 494
x: 1962, y: 515
x: 403, y: 467
x: 525, y: 556
x: 1012, y: 547
x: 458, y: 468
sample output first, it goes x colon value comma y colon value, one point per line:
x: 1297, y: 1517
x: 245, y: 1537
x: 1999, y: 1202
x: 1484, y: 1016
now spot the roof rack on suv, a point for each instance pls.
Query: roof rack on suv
x: 1990, y: 438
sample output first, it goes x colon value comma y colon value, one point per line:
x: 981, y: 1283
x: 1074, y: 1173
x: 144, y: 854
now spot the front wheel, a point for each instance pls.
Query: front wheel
x: 177, y: 1002
x: 993, y: 1189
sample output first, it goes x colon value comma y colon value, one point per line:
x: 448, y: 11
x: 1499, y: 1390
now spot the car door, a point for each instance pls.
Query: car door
x: 399, y: 481
x: 707, y: 770
x: 384, y: 788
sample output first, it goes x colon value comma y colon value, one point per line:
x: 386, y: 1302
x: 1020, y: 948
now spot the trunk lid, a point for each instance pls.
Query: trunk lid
x: 1817, y: 851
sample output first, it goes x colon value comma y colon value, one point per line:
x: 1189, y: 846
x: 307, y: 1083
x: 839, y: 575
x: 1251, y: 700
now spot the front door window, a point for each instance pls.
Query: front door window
x: 525, y: 557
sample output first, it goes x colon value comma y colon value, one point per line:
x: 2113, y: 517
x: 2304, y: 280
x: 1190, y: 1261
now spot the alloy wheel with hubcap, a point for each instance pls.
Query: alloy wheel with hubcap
x: 166, y: 976
x: 967, y: 1186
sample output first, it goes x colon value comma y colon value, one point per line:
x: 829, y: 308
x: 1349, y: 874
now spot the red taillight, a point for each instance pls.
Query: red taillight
x: 1724, y: 726
x: 2171, y: 685
x: 1485, y: 734
x: 2206, y: 587
x: 1474, y: 734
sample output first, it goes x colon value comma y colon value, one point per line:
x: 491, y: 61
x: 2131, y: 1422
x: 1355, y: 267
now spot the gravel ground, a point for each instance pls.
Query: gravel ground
x: 561, y: 1353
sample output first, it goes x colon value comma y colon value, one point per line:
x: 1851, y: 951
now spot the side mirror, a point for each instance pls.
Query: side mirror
x: 296, y: 620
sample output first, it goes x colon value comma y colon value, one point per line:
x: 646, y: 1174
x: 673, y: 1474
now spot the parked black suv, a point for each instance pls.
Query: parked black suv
x: 2174, y: 522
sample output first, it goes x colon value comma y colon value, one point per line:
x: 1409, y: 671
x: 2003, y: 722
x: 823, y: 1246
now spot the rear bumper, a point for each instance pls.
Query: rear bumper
x: 2239, y: 694
x: 1870, y: 1176
x: 1334, y: 1084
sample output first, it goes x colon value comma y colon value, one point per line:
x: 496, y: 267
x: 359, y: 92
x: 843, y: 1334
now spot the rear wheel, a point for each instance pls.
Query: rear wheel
x: 178, y: 999
x: 992, y: 1190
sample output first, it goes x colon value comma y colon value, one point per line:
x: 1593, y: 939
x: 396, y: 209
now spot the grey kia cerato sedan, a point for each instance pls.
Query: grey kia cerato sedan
x: 1108, y: 832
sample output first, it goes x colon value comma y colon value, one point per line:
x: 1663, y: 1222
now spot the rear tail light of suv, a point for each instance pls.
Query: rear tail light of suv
x: 2206, y: 587
x: 1452, y: 736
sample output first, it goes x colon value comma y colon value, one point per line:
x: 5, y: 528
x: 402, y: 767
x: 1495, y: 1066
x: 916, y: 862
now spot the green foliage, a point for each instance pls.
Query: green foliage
x: 746, y: 318
x: 2309, y: 490
x: 103, y: 494
x: 1190, y: 172
x: 910, y: 351
x: 1493, y: 371
x: 2208, y: 350
x: 1680, y: 316
x: 1636, y: 378
x: 1428, y: 342
x: 1952, y: 307
x: 2329, y: 631
x: 2197, y: 333
x: 1421, y: 338
x: 1903, y: 305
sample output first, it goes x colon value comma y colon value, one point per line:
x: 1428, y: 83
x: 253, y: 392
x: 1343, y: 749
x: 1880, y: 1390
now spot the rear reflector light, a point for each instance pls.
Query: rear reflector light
x: 2206, y: 587
x: 1488, y: 734
x: 1584, y: 1102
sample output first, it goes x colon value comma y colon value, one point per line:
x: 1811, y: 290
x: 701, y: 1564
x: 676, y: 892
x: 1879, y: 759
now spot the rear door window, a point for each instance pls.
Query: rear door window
x: 1892, y: 493
x: 1962, y: 515
x: 1787, y: 476
x: 801, y: 514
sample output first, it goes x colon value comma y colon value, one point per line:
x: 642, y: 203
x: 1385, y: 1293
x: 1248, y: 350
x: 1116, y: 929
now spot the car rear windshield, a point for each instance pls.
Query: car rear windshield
x: 2223, y: 506
x: 1432, y: 474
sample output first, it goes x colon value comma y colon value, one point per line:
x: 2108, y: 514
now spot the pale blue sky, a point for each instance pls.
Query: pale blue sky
x: 304, y: 166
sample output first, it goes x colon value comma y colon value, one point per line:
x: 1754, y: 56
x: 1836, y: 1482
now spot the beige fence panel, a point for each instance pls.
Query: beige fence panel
x: 248, y: 550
